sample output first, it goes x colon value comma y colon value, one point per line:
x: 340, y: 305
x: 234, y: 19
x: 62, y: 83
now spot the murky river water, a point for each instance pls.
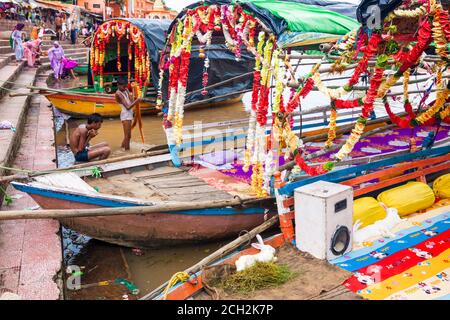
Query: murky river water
x: 99, y: 261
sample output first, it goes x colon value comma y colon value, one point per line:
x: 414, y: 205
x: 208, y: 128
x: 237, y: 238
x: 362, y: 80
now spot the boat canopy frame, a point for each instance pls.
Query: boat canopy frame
x: 145, y: 39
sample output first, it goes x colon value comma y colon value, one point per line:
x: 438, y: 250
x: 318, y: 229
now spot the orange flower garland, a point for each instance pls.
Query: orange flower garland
x: 118, y: 29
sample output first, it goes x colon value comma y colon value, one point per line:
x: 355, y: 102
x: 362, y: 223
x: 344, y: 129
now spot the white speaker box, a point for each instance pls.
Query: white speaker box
x: 324, y: 219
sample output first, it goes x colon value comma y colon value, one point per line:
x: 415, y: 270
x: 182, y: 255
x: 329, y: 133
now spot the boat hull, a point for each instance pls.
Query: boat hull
x: 81, y: 106
x: 158, y: 229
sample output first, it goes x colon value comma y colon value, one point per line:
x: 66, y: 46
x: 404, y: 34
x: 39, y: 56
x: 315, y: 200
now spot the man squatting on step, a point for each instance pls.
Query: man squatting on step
x: 79, y: 141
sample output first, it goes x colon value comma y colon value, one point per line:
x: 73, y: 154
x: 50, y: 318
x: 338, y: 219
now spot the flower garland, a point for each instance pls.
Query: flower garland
x: 182, y: 80
x: 445, y: 21
x: 369, y: 51
x: 303, y: 91
x: 398, y: 121
x: 262, y: 106
x: 295, y: 145
x: 200, y: 22
x: 441, y: 97
x: 255, y: 94
x: 238, y: 29
x: 117, y: 29
x: 444, y: 114
x: 377, y: 89
x: 438, y: 34
x: 415, y: 13
x: 365, y: 112
x: 332, y: 130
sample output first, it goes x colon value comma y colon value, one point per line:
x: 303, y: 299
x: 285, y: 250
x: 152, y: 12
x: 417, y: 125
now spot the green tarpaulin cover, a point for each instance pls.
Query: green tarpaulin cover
x: 295, y: 23
x: 306, y: 18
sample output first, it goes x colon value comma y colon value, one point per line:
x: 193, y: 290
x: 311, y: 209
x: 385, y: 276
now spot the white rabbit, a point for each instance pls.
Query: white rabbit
x: 379, y: 228
x: 266, y: 254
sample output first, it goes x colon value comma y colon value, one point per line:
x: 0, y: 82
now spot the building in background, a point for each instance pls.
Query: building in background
x: 152, y: 9
x: 94, y: 6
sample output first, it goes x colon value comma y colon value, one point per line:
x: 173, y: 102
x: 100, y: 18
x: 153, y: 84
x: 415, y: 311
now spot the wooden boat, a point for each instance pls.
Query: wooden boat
x: 145, y: 182
x: 114, y: 54
x: 154, y: 180
x: 367, y: 177
x: 82, y: 69
x: 78, y: 104
x: 386, y: 173
x: 82, y: 105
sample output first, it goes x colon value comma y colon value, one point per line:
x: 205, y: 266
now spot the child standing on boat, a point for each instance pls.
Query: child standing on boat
x: 123, y: 97
x: 79, y: 141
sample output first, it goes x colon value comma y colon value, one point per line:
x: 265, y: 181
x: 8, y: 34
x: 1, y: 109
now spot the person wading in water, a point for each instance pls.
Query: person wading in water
x: 123, y: 97
x: 79, y: 141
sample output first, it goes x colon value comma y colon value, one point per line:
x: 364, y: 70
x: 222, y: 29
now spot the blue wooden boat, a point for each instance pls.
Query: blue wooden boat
x: 141, y: 182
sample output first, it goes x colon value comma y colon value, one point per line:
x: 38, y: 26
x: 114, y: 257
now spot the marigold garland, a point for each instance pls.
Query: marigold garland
x: 365, y: 112
x: 238, y: 29
x: 438, y: 34
x: 332, y: 130
x: 117, y: 29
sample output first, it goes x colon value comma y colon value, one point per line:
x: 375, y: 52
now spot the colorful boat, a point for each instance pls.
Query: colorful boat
x: 387, y: 173
x: 375, y: 276
x: 154, y: 180
x: 80, y: 103
x: 231, y: 177
x: 82, y: 69
x: 146, y: 182
x: 122, y: 46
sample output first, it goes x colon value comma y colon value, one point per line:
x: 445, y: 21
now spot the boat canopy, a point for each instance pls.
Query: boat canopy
x: 346, y: 8
x: 136, y: 41
x: 364, y: 11
x: 295, y: 23
x: 144, y: 39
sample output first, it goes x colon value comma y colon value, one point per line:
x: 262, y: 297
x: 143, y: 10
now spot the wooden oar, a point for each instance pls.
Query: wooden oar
x: 167, y: 206
x: 218, y: 254
x: 52, y: 90
x: 21, y: 176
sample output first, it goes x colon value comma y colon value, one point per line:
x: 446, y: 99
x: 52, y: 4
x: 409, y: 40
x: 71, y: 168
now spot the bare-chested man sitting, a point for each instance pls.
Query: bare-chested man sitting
x: 79, y: 141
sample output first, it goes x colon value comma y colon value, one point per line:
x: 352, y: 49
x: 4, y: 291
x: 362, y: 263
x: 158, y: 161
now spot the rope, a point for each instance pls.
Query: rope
x: 45, y: 171
x: 23, y: 85
x: 15, y: 169
x: 177, y: 277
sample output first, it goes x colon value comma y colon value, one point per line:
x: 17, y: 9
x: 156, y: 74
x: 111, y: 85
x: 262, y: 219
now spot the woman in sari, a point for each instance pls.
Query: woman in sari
x: 68, y: 66
x: 16, y: 38
x: 56, y: 56
x: 73, y: 34
x: 31, y: 50
x: 34, y: 32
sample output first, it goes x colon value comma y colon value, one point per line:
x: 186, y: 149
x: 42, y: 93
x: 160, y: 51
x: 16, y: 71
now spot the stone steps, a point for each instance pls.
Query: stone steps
x: 48, y: 44
x: 5, y: 59
x: 67, y: 48
x: 14, y: 110
x: 8, y: 74
x: 5, y: 49
x: 30, y: 250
